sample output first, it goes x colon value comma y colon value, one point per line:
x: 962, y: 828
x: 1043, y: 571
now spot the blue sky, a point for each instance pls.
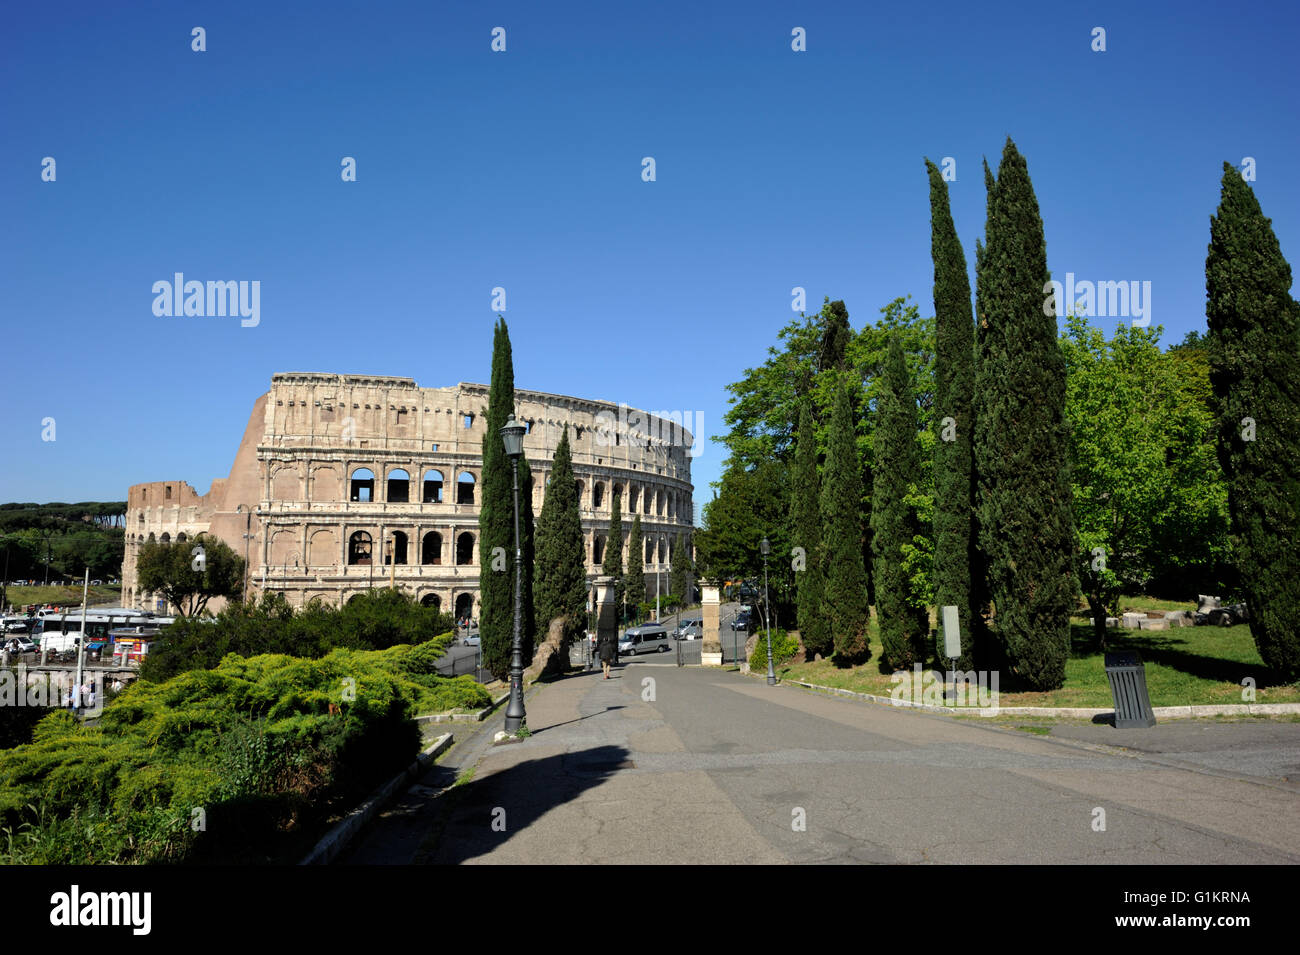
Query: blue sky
x: 522, y: 169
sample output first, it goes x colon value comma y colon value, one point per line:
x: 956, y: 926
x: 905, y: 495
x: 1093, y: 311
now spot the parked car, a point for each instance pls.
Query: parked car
x: 472, y: 640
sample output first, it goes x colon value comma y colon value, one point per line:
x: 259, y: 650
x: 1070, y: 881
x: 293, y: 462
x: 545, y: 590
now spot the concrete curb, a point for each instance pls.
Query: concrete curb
x: 344, y: 831
x: 476, y: 717
x: 1068, y: 712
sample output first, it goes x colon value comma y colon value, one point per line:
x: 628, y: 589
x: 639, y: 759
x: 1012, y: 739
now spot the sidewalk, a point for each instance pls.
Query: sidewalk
x: 563, y: 796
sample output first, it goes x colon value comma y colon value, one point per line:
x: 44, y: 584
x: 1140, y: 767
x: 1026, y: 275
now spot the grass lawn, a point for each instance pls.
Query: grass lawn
x: 1185, y: 666
x: 63, y: 596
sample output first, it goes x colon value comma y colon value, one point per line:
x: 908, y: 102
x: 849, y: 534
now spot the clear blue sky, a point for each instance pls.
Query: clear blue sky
x: 522, y: 169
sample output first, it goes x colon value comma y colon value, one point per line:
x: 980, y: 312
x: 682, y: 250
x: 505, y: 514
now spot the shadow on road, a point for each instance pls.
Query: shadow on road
x: 489, y: 811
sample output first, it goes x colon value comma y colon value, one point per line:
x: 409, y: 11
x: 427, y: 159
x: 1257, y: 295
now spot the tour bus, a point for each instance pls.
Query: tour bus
x: 100, y: 623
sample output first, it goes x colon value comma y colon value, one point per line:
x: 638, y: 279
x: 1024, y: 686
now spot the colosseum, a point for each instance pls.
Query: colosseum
x: 347, y: 482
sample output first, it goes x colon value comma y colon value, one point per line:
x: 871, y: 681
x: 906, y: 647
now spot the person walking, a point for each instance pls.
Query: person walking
x: 607, y: 648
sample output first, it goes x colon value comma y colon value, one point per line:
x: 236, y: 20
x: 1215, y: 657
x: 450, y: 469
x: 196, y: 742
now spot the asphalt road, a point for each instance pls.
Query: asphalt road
x: 697, y: 765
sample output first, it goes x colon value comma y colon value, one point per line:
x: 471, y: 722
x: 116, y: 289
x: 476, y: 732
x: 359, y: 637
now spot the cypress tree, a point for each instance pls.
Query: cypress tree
x: 1021, y: 437
x: 805, y: 532
x: 904, y: 626
x: 955, y: 558
x: 841, y: 503
x: 496, y: 523
x: 678, y: 568
x: 1255, y: 372
x: 612, y: 562
x: 635, y: 578
x: 561, y: 575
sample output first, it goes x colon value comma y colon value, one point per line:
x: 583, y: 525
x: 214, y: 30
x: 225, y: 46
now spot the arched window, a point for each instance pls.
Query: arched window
x: 166, y: 538
x: 649, y: 551
x: 432, y: 487
x: 597, y: 494
x: 180, y: 537
x: 359, y: 549
x: 396, y: 549
x: 431, y: 548
x: 597, y: 550
x: 663, y: 550
x: 363, y: 485
x: 465, y: 488
x: 151, y: 537
x: 659, y: 503
x: 580, y: 490
x: 464, y: 606
x: 399, y: 486
x: 431, y: 600
x: 465, y: 548
x: 632, y: 492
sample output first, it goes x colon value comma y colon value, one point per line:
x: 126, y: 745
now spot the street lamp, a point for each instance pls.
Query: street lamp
x: 512, y: 436
x: 765, y: 548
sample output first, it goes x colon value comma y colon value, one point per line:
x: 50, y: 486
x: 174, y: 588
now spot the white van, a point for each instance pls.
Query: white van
x: 652, y: 638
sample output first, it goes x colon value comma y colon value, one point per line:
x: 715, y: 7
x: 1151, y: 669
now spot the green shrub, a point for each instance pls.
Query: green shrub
x: 784, y: 647
x: 239, y: 763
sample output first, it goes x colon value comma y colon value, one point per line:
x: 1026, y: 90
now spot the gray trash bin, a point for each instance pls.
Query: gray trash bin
x: 1128, y: 688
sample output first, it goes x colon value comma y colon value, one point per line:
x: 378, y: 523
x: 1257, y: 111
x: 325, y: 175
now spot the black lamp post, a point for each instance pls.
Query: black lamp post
x: 512, y: 435
x: 765, y: 548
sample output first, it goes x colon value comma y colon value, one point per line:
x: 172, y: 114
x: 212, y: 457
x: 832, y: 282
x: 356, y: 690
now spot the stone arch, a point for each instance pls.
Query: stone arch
x: 464, y: 605
x: 399, y: 486
x: 362, y: 485
x: 325, y: 483
x: 431, y: 600
x: 464, y: 548
x: 360, y: 548
x: 431, y: 548
x: 165, y: 539
x: 322, y: 548
x: 598, y: 494
x: 395, y: 553
x: 285, y: 484
x: 465, y: 487
x: 432, y: 487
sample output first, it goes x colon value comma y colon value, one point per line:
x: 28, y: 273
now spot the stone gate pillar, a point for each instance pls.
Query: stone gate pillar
x: 711, y: 651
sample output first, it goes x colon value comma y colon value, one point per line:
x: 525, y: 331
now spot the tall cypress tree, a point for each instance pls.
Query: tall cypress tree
x: 1021, y: 437
x: 678, y: 569
x: 955, y: 558
x: 904, y: 624
x: 635, y: 578
x: 560, y: 574
x: 496, y: 520
x: 805, y: 532
x: 1255, y: 372
x: 612, y: 562
x: 841, y: 503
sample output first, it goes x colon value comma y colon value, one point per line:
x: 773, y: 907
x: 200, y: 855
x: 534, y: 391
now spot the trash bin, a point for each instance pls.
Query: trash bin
x: 1128, y: 688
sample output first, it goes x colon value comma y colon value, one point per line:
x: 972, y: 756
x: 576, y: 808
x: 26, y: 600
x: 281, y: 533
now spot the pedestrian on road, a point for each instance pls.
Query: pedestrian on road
x: 606, y: 653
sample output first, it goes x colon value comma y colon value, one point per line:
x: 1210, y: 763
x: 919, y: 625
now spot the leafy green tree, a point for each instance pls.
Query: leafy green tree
x: 904, y: 623
x: 1145, y: 481
x: 634, y: 581
x: 846, y: 579
x: 611, y: 563
x: 560, y: 574
x: 1255, y: 371
x: 805, y: 533
x: 496, y: 523
x: 1022, y: 437
x: 955, y: 529
x: 190, y: 573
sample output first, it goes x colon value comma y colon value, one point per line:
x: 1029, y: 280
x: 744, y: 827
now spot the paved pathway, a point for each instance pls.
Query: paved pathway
x: 720, y: 768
